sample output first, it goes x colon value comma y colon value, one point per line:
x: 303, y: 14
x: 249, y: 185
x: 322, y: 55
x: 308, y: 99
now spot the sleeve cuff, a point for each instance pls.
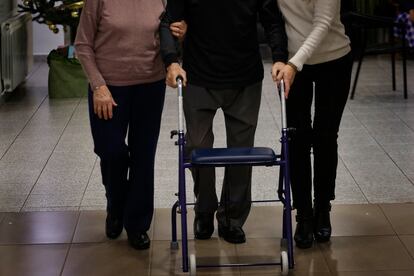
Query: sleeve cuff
x: 279, y: 58
x: 171, y: 58
x: 298, y: 65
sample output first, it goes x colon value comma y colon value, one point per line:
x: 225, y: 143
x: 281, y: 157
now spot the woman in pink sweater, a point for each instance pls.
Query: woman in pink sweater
x: 118, y: 46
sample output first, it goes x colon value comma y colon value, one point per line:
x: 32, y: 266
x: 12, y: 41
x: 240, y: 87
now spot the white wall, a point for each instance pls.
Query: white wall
x: 44, y: 40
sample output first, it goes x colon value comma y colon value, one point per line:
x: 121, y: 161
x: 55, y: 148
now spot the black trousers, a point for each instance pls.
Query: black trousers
x: 128, y: 168
x: 332, y: 82
x: 241, y: 109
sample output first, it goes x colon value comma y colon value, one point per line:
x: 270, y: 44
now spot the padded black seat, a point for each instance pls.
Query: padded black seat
x: 233, y: 156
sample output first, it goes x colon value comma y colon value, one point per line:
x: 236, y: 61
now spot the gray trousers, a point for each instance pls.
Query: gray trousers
x: 241, y: 109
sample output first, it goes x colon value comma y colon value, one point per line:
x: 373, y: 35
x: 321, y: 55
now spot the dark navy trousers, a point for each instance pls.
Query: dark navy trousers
x: 128, y: 167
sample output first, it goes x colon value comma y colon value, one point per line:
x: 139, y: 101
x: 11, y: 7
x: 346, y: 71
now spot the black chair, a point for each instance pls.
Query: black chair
x: 360, y: 26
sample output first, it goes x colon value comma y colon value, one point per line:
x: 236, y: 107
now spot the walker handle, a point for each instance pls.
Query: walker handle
x: 283, y: 104
x: 179, y: 80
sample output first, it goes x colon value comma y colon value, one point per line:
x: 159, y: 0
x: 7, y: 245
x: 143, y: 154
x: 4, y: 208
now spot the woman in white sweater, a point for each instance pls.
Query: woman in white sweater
x: 319, y: 57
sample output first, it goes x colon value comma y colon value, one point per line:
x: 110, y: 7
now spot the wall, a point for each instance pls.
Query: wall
x: 45, y: 40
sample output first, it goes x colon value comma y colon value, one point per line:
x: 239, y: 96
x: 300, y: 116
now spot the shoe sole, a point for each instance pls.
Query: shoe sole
x: 198, y: 237
x: 304, y: 246
x: 230, y: 240
x: 113, y: 236
x: 140, y: 247
x: 322, y: 240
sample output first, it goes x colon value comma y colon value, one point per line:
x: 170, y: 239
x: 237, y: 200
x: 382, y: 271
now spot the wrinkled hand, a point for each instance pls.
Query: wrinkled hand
x: 103, y: 102
x: 287, y: 74
x: 174, y: 71
x: 179, y: 29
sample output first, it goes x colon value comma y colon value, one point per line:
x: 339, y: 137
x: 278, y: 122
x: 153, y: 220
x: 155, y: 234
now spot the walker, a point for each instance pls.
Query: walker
x: 221, y: 157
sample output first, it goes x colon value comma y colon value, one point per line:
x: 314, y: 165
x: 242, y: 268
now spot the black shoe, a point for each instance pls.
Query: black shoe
x: 203, y: 226
x: 139, y: 241
x: 232, y: 234
x: 323, y: 228
x: 304, y: 232
x: 113, y: 226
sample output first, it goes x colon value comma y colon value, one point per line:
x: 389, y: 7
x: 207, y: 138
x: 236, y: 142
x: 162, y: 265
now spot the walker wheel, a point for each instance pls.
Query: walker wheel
x: 284, y: 263
x: 193, y: 265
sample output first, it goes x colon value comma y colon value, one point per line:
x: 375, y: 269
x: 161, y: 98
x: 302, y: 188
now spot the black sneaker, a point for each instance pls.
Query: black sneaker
x: 113, y: 226
x: 139, y: 241
x: 232, y: 234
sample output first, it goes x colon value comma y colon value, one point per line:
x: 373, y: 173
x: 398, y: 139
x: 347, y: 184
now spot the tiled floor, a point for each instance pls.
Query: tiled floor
x: 368, y: 239
x: 47, y: 164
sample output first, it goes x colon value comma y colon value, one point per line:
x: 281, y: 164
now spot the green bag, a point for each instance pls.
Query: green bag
x: 66, y: 77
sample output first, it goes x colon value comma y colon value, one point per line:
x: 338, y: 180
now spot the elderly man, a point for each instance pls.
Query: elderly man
x: 222, y: 68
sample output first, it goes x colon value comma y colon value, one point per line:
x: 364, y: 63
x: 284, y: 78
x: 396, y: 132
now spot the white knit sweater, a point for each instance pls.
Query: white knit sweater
x: 315, y: 32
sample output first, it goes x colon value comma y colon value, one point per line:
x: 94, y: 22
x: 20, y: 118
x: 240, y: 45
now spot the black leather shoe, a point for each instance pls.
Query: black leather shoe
x: 113, y: 226
x: 323, y: 228
x: 139, y: 241
x: 304, y: 232
x: 203, y: 226
x: 232, y: 234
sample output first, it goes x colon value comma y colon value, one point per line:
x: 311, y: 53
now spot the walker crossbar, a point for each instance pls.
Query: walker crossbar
x: 222, y: 157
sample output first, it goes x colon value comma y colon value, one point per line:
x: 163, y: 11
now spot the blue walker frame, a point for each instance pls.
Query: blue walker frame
x: 284, y: 191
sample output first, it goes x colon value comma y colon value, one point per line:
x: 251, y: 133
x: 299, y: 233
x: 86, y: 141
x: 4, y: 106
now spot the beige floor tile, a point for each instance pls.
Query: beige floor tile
x: 366, y: 254
x: 162, y: 224
x: 375, y: 273
x: 32, y: 260
x: 91, y: 228
x: 401, y: 217
x: 109, y: 258
x: 359, y: 220
x: 264, y: 222
x: 268, y: 250
x: 214, y: 251
x: 2, y: 215
x: 409, y: 244
x: 259, y: 251
x: 291, y: 273
x: 38, y: 227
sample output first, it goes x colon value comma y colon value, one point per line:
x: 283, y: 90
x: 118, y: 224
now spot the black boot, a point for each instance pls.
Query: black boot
x: 304, y: 231
x: 323, y: 228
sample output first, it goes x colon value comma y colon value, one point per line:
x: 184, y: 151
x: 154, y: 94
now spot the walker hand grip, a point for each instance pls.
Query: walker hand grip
x: 283, y: 103
x: 179, y: 80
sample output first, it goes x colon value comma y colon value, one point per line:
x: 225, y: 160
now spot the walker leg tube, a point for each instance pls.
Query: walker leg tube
x: 183, y: 204
x: 287, y: 205
x: 174, y: 222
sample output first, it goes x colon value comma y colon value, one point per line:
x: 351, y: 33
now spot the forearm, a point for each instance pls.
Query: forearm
x: 168, y: 44
x: 85, y: 41
x: 325, y: 12
x: 174, y: 12
x: 86, y: 57
x: 274, y: 26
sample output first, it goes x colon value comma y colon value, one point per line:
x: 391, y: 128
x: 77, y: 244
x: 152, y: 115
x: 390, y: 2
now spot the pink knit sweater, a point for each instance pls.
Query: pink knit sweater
x: 117, y: 42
